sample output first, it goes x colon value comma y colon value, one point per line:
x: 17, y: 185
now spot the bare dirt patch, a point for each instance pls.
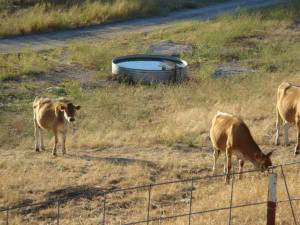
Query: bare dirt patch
x: 87, y: 79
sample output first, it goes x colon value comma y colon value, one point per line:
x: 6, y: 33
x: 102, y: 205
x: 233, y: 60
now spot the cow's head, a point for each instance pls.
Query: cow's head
x: 69, y: 111
x: 263, y: 161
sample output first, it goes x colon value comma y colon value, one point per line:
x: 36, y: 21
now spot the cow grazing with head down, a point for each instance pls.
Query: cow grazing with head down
x: 288, y: 111
x: 231, y: 135
x: 52, y: 115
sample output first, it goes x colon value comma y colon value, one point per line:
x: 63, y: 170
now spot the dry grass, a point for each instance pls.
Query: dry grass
x: 133, y: 135
x: 100, y: 169
x: 40, y: 16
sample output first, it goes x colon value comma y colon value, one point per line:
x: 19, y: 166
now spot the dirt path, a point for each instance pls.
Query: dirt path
x: 62, y: 38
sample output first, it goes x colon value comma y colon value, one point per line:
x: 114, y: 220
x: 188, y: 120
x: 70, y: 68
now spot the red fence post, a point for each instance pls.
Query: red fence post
x: 272, y: 199
x: 7, y: 215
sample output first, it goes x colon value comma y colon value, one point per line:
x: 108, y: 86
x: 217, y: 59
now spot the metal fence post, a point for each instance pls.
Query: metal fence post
x: 149, y: 203
x: 104, y: 209
x: 272, y: 199
x: 288, y: 194
x: 231, y: 198
x: 191, y: 201
x: 58, y: 212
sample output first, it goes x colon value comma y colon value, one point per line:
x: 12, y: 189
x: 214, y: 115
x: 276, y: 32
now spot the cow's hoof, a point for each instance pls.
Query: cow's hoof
x: 296, y: 152
x: 54, y: 154
x: 37, y: 149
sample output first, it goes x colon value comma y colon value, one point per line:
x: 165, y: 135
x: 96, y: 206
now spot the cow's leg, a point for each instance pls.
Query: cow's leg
x: 228, y: 164
x: 225, y: 164
x: 286, y: 133
x: 41, y: 139
x: 241, y: 165
x: 297, y: 148
x: 278, y: 121
x: 36, y: 136
x: 216, y: 156
x: 54, y: 152
x: 63, y: 135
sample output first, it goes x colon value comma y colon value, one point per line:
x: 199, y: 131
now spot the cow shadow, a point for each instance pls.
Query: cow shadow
x: 63, y: 196
x: 115, y: 160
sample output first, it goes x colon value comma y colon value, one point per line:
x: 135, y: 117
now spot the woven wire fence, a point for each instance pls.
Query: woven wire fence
x: 148, y: 219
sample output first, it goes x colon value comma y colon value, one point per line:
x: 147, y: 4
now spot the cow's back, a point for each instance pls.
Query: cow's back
x: 221, y: 129
x: 230, y: 129
x: 44, y: 113
x: 288, y: 97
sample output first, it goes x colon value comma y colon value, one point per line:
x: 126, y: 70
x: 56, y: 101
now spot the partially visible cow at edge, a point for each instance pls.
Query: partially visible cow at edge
x: 288, y: 111
x: 52, y: 115
x: 231, y: 135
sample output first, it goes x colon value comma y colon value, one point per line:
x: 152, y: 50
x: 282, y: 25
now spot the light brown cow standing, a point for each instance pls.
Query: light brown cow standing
x: 288, y: 111
x: 52, y: 115
x: 231, y: 135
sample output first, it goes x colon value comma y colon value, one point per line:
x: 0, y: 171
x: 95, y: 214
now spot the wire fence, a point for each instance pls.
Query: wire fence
x: 188, y: 215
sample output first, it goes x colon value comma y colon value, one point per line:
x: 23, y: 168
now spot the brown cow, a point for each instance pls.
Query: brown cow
x: 230, y: 134
x: 288, y: 111
x: 52, y: 115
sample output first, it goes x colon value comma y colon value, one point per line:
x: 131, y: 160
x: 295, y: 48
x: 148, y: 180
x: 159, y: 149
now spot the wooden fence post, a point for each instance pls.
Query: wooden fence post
x: 272, y: 199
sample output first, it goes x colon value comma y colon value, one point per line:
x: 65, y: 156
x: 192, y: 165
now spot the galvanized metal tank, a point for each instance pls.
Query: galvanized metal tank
x: 149, y: 69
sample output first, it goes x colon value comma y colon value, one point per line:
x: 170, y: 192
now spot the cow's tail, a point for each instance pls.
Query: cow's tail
x: 35, y: 102
x: 282, y: 89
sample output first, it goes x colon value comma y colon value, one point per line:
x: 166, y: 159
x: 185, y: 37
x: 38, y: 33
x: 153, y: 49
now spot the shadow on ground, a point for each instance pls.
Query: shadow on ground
x: 65, y: 195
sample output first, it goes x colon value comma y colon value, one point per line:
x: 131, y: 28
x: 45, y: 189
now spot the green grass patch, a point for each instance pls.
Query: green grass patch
x: 258, y: 40
x: 14, y: 66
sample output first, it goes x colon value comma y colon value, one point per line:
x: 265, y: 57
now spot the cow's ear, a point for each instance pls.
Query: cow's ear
x: 77, y: 107
x: 256, y: 155
x: 61, y: 107
x: 269, y: 154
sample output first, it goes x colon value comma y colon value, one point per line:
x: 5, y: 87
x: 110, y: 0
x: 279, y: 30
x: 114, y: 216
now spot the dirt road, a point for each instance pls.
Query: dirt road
x: 63, y: 38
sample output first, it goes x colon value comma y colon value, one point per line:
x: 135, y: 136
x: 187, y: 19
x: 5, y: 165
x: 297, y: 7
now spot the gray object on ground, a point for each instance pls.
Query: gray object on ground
x: 170, y: 48
x: 230, y: 69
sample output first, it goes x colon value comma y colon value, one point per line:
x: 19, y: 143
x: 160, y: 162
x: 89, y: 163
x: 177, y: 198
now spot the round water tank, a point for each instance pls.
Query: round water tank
x: 149, y: 69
